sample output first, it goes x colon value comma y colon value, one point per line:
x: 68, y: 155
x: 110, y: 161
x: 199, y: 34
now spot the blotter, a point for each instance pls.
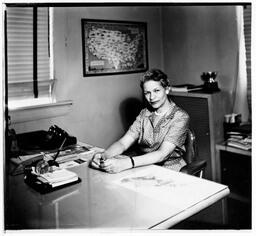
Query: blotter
x: 51, y: 181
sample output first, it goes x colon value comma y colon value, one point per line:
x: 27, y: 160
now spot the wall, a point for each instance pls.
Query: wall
x: 198, y: 39
x: 195, y: 39
x: 96, y: 115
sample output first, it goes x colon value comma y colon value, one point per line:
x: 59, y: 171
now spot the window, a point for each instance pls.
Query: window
x: 28, y: 56
x: 247, y: 35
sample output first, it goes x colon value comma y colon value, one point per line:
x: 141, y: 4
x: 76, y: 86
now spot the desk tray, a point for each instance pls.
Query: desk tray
x: 43, y: 188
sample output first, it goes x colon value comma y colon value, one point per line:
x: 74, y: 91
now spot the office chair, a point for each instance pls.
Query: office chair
x: 194, y: 166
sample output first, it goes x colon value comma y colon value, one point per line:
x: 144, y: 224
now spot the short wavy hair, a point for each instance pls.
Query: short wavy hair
x: 155, y: 75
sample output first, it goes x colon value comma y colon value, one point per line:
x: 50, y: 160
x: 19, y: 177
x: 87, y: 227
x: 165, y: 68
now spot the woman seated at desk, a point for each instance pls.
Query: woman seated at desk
x: 159, y: 130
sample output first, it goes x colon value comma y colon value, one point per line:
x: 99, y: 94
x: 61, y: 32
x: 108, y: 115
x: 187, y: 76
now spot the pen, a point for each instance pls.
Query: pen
x: 102, y: 160
x: 58, y: 152
x: 53, y: 162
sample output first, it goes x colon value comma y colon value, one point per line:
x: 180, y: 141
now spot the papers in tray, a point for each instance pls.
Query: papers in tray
x: 51, y: 181
x: 58, y: 177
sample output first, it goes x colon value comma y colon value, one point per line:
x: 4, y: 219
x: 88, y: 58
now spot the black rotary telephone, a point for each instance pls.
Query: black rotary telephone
x: 45, y: 140
x: 55, y: 137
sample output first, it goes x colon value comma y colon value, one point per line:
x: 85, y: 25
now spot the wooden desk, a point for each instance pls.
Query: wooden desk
x: 105, y: 201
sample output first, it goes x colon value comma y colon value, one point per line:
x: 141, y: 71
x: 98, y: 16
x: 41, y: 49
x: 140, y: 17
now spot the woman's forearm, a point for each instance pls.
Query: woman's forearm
x: 148, y: 158
x: 119, y: 146
x: 116, y: 148
x: 156, y: 156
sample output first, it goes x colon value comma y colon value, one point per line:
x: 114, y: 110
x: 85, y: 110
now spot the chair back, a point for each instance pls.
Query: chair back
x: 191, y: 148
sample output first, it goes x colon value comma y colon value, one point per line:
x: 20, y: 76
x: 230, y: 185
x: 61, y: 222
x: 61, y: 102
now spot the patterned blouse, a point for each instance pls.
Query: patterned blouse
x: 171, y: 127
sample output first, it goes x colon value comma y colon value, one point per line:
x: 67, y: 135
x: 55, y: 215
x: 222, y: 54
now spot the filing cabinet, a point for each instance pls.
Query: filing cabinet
x: 206, y: 111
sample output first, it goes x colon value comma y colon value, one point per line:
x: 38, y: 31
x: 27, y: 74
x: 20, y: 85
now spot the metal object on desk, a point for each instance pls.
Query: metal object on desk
x: 210, y: 85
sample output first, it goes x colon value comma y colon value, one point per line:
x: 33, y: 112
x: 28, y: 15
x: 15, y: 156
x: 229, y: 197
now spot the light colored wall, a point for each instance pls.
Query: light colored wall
x: 95, y: 117
x: 197, y: 39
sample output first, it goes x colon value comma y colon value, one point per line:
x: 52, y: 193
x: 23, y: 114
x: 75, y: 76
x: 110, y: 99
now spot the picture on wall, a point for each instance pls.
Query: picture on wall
x: 114, y: 47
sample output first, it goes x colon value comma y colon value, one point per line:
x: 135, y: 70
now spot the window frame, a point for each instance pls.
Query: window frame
x: 18, y: 104
x: 42, y: 109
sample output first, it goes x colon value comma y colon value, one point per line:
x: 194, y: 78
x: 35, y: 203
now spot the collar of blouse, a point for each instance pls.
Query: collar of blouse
x: 166, y: 114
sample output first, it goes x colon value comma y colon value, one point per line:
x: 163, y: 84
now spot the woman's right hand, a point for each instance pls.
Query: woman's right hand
x: 96, y: 159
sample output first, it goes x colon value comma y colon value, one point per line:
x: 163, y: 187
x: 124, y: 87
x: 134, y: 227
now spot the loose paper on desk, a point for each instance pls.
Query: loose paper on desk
x: 167, y: 186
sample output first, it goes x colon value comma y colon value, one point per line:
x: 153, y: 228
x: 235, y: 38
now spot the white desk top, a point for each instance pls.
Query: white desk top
x: 119, y: 201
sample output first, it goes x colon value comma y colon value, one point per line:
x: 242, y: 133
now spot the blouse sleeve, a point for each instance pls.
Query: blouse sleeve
x: 135, y: 129
x: 178, y: 130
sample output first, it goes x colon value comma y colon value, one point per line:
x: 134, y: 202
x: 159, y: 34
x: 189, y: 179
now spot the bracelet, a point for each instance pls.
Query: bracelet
x: 133, y: 164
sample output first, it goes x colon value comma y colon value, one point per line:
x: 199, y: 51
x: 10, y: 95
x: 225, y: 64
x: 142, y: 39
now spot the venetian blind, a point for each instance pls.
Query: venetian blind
x: 28, y: 61
x: 247, y: 34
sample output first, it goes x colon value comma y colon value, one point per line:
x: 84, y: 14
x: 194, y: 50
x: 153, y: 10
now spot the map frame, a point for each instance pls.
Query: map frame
x: 114, y: 47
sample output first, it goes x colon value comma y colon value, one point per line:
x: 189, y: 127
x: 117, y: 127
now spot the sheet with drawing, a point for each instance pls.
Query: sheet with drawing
x: 167, y: 186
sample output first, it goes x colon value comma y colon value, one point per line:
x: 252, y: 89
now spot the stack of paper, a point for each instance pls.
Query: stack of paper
x: 72, y: 153
x: 244, y: 143
x: 186, y: 88
x: 58, y: 177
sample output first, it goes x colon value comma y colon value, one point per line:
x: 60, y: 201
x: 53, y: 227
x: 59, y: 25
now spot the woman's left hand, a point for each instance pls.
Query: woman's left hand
x: 116, y: 164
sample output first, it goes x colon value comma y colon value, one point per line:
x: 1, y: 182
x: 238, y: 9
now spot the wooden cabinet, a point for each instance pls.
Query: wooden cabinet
x: 206, y: 113
x: 235, y: 170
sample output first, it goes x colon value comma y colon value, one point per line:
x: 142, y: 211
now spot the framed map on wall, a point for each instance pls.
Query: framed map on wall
x: 114, y: 47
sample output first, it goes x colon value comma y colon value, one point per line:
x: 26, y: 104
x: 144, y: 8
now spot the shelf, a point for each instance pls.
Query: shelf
x: 226, y: 148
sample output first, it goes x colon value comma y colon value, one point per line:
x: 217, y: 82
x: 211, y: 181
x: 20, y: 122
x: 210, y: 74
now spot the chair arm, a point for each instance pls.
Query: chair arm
x: 194, y: 167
